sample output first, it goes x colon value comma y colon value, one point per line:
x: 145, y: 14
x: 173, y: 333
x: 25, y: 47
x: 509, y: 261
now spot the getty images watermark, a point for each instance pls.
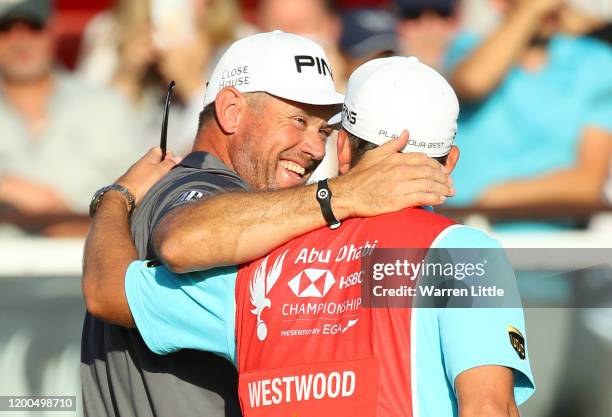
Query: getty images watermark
x: 477, y: 278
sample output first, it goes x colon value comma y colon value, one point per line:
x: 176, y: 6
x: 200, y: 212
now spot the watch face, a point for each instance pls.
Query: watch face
x: 322, y: 194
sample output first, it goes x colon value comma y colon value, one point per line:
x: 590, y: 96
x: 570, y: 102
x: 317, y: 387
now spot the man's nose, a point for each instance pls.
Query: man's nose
x: 314, y: 144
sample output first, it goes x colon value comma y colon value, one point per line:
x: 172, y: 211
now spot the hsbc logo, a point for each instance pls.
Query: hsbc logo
x: 260, y: 286
x: 312, y: 283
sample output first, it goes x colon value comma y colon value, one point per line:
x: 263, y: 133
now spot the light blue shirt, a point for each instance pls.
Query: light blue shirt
x: 449, y: 341
x: 187, y: 311
x: 197, y: 311
x: 531, y: 124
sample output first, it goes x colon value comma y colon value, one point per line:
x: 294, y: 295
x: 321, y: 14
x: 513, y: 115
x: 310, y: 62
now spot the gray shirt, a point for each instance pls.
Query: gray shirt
x: 120, y: 376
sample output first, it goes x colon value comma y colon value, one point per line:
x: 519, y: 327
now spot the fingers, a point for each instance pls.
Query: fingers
x: 417, y: 172
x: 153, y: 157
x: 418, y: 158
x: 394, y: 145
x: 170, y: 156
x: 402, y: 141
x: 424, y: 199
x: 169, y: 163
x: 426, y: 185
x: 408, y: 176
x: 154, y: 154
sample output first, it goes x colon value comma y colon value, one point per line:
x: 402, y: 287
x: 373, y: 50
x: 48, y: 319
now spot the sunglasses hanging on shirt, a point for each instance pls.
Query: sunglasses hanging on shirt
x: 164, y: 131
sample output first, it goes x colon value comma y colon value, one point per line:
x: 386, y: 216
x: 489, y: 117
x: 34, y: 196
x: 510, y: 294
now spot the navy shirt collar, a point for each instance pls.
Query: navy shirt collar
x: 203, y: 160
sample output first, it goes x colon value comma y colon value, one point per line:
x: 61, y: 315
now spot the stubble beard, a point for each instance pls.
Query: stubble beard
x: 251, y: 165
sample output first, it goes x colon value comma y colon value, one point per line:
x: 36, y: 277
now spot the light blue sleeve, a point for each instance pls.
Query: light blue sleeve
x: 472, y: 337
x: 459, y: 49
x: 598, y: 110
x: 187, y: 311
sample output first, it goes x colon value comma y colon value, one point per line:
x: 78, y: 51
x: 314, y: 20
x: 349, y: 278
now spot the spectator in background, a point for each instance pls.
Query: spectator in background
x: 537, y: 118
x: 426, y: 28
x: 137, y: 48
x: 597, y: 21
x: 60, y: 138
x: 315, y: 19
x: 367, y: 34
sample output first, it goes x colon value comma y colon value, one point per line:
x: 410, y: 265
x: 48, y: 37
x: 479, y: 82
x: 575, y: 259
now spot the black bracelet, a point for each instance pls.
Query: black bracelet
x: 324, y: 196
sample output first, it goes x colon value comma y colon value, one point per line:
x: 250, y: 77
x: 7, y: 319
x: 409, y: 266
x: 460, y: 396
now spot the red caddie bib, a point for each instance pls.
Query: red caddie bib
x: 306, y: 344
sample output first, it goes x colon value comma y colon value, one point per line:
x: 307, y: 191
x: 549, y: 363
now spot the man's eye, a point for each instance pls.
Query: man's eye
x: 300, y: 120
x: 325, y: 133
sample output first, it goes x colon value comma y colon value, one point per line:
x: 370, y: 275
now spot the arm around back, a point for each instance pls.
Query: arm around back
x: 108, y: 252
x: 109, y: 248
x: 235, y: 228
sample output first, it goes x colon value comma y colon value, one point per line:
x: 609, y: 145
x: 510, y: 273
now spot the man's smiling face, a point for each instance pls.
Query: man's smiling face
x: 282, y: 142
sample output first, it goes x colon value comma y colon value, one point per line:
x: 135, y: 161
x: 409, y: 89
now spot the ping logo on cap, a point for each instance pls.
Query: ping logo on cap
x: 310, y: 61
x: 349, y: 115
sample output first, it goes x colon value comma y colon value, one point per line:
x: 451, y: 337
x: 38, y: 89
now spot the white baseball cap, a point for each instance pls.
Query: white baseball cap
x: 386, y: 96
x: 283, y: 64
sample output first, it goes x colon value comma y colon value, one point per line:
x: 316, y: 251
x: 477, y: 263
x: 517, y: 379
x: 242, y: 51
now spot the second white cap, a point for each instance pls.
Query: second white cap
x: 388, y: 95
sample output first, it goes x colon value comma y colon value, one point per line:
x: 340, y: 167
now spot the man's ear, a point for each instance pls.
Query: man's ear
x: 344, y: 152
x: 229, y: 106
x: 453, y: 157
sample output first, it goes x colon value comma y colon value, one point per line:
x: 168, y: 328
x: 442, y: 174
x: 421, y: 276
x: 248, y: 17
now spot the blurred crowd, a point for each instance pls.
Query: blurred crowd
x: 534, y: 78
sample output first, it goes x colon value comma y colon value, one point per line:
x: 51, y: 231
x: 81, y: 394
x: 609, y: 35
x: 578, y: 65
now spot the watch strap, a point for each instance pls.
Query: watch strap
x: 324, y: 196
x: 129, y: 197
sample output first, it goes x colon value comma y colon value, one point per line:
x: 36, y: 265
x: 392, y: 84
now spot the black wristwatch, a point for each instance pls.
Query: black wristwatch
x: 324, y: 196
x: 93, y: 206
